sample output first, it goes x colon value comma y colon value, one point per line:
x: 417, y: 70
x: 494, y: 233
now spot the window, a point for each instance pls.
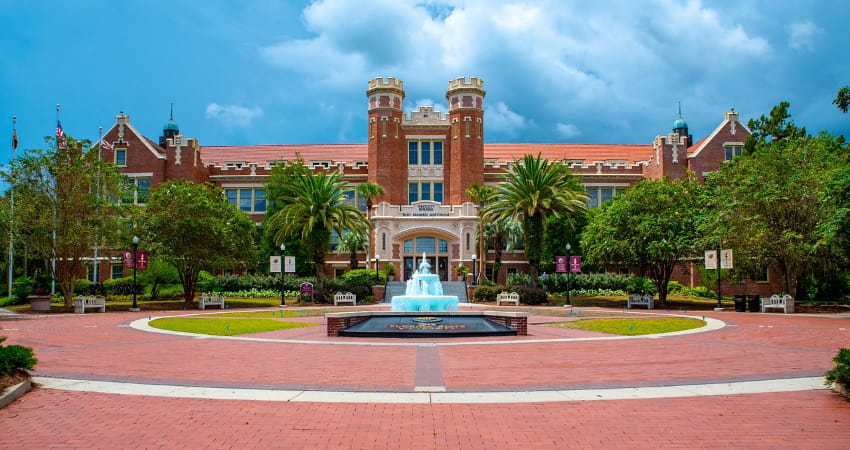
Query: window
x: 733, y: 151
x: 136, y: 191
x: 252, y: 201
x: 117, y: 271
x: 120, y: 156
x: 424, y: 152
x: 425, y: 190
x: 412, y: 192
x: 599, y: 195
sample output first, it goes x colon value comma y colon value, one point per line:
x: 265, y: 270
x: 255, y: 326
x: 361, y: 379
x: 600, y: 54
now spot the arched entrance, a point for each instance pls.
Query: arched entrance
x: 436, y: 251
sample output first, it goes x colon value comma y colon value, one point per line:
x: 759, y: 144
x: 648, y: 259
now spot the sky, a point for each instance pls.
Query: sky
x: 296, y: 72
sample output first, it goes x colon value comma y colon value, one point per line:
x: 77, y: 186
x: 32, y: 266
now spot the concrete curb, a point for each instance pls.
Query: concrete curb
x: 15, y: 392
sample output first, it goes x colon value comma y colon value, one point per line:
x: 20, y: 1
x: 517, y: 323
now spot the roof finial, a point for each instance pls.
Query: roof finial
x: 680, y: 108
x: 172, y: 110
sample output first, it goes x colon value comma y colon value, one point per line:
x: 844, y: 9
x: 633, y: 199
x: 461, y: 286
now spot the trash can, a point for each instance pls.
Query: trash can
x: 740, y: 303
x: 754, y: 303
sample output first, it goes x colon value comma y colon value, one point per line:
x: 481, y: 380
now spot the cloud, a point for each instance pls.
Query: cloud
x: 501, y: 119
x: 233, y: 115
x: 568, y: 130
x: 801, y: 35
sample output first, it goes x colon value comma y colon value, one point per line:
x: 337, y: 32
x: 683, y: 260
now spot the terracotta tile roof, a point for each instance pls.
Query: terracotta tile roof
x: 261, y: 154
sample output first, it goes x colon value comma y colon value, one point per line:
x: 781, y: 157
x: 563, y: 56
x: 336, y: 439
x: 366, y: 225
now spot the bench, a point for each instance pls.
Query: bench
x: 785, y: 303
x: 82, y: 303
x: 507, y: 297
x: 637, y: 299
x: 210, y: 300
x: 345, y: 297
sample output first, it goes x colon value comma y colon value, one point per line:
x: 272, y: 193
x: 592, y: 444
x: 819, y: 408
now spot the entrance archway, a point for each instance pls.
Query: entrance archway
x: 436, y: 251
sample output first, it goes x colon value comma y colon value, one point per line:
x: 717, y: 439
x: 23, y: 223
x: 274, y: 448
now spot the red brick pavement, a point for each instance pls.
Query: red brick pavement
x: 757, y: 346
x: 62, y: 419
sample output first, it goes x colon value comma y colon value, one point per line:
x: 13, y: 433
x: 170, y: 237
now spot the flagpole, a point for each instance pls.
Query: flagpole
x: 95, y: 276
x: 53, y: 275
x: 12, y: 208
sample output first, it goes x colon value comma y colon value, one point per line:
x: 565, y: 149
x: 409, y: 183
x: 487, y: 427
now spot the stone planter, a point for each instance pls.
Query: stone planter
x: 39, y: 302
x: 841, y: 389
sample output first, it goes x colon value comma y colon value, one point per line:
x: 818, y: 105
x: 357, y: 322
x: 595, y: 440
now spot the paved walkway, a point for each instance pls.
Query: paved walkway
x: 754, y: 381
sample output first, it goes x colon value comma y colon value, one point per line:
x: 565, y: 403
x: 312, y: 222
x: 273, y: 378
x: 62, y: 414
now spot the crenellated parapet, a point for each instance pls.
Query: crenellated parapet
x: 466, y: 93
x: 424, y: 116
x: 385, y: 93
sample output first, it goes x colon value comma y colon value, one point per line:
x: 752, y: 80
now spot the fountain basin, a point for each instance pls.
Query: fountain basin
x: 431, y: 324
x: 424, y: 303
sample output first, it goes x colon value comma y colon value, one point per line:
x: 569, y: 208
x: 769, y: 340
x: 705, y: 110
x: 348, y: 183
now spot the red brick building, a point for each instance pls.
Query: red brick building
x: 425, y: 160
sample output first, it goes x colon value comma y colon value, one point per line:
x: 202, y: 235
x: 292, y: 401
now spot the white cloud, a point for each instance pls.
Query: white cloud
x: 500, y: 118
x: 568, y: 130
x: 233, y: 115
x: 801, y: 35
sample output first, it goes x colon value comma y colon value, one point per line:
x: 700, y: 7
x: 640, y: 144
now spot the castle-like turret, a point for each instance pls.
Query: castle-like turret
x: 386, y: 139
x: 466, y: 150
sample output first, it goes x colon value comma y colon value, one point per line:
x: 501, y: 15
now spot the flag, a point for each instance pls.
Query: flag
x: 15, y: 140
x: 105, y: 145
x: 60, y: 134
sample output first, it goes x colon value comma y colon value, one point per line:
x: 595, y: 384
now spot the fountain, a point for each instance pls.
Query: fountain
x: 423, y: 311
x: 424, y: 292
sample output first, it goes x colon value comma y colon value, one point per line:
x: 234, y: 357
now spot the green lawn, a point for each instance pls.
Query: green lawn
x: 223, y: 326
x: 631, y: 326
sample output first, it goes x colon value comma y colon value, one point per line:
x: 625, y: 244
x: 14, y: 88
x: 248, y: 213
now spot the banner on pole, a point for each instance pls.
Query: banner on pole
x: 575, y: 264
x: 711, y: 259
x: 274, y: 264
x: 560, y: 264
x: 289, y: 264
x: 726, y: 259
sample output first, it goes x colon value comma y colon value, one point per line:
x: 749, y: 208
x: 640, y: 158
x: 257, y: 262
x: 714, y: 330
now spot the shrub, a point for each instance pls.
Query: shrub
x: 519, y: 279
x: 14, y: 358
x: 361, y: 277
x: 841, y: 372
x: 119, y: 286
x: 531, y: 296
x: 82, y: 286
x: 639, y: 285
x: 486, y: 293
x: 21, y: 289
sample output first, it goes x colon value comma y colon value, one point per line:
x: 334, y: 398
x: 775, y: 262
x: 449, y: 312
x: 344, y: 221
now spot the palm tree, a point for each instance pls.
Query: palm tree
x: 481, y: 194
x: 532, y: 191
x: 370, y: 191
x: 506, y: 234
x: 313, y: 207
x: 351, y: 243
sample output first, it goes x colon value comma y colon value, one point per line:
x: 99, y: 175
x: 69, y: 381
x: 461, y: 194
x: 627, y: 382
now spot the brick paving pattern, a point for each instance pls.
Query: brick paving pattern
x: 753, y: 347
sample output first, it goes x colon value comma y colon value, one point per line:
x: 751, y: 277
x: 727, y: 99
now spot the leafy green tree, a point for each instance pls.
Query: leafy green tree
x: 313, y: 207
x: 778, y: 126
x: 481, y: 194
x: 63, y: 206
x: 533, y: 190
x: 842, y: 99
x: 652, y: 226
x: 193, y: 227
x: 785, y: 204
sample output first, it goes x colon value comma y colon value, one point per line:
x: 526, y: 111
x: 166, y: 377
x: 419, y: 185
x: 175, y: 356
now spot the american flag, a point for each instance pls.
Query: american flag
x: 60, y: 134
x: 105, y: 145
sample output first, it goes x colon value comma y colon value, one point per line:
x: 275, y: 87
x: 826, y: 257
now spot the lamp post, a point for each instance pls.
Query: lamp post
x: 282, y: 288
x: 474, y: 270
x: 135, y: 269
x: 569, y: 269
x: 377, y: 266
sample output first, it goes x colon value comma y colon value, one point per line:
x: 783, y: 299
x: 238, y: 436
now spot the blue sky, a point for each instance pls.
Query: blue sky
x: 295, y: 72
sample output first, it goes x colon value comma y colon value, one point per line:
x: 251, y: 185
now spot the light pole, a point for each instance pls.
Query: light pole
x: 569, y: 269
x: 377, y: 265
x: 474, y: 270
x: 282, y: 264
x: 135, y: 269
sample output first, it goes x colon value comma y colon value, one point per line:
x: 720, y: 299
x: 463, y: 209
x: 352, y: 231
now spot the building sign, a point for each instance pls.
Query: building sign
x: 425, y: 210
x: 306, y: 289
x: 560, y: 264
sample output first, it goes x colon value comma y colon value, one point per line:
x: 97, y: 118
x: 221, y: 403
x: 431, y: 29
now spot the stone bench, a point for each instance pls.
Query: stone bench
x: 210, y: 300
x: 345, y: 297
x: 91, y: 302
x: 637, y: 299
x: 507, y: 297
x: 785, y: 303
